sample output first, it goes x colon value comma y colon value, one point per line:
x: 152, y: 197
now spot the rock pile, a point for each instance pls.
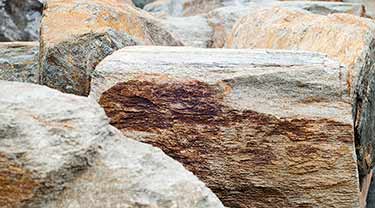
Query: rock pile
x: 253, y: 103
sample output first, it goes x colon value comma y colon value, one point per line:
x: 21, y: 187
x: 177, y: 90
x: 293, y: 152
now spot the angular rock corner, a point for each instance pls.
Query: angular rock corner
x: 62, y: 151
x: 261, y: 128
x: 76, y: 36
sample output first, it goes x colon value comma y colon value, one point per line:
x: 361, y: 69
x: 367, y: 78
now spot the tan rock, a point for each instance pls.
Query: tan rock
x: 261, y: 128
x: 223, y: 19
x: 77, y: 35
x: 343, y: 37
x: 59, y: 151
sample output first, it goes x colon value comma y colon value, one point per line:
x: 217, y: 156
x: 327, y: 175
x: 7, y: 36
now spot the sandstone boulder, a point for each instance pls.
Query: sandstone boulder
x: 261, y: 128
x: 343, y: 37
x: 223, y: 19
x: 58, y: 151
x: 77, y: 35
x: 19, y: 61
x: 20, y: 19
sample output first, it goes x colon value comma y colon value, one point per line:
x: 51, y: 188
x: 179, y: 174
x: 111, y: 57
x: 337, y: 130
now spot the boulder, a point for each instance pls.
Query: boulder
x: 189, y: 7
x: 77, y: 35
x: 261, y: 128
x: 20, y: 19
x: 346, y: 38
x: 223, y: 19
x: 191, y: 31
x: 19, y: 61
x: 58, y: 150
x: 364, y: 124
x: 142, y: 3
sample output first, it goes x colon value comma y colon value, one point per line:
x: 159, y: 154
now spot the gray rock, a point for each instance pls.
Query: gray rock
x: 363, y: 115
x: 191, y: 31
x: 325, y: 8
x: 261, y: 128
x: 19, y: 61
x: 58, y: 151
x: 68, y: 65
x: 142, y: 3
x: 20, y: 19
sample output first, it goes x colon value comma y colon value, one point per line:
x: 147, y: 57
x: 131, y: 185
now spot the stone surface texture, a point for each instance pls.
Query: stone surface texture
x: 19, y: 61
x: 223, y: 19
x: 58, y: 151
x: 20, y: 19
x: 261, y: 128
x: 346, y: 38
x: 191, y: 31
x: 77, y: 35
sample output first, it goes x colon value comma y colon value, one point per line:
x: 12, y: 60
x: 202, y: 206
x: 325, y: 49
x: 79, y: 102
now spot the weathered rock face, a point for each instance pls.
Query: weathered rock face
x: 19, y: 61
x: 343, y: 37
x: 363, y: 114
x: 223, y: 19
x: 260, y: 128
x: 191, y: 31
x: 75, y: 36
x: 20, y: 19
x: 58, y: 150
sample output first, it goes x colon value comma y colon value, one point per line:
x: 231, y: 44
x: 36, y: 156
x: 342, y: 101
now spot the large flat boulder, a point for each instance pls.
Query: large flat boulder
x: 261, y: 128
x: 58, y: 150
x: 20, y: 19
x: 77, y: 35
x: 19, y: 61
x: 346, y: 38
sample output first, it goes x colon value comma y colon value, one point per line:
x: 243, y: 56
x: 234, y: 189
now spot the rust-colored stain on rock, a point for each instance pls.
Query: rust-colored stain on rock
x: 236, y: 153
x: 16, y: 184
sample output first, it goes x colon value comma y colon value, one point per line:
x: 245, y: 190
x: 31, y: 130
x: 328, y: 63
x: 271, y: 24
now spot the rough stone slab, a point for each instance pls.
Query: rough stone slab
x: 261, y: 128
x: 19, y: 61
x: 58, y: 151
x: 343, y: 37
x: 77, y: 35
